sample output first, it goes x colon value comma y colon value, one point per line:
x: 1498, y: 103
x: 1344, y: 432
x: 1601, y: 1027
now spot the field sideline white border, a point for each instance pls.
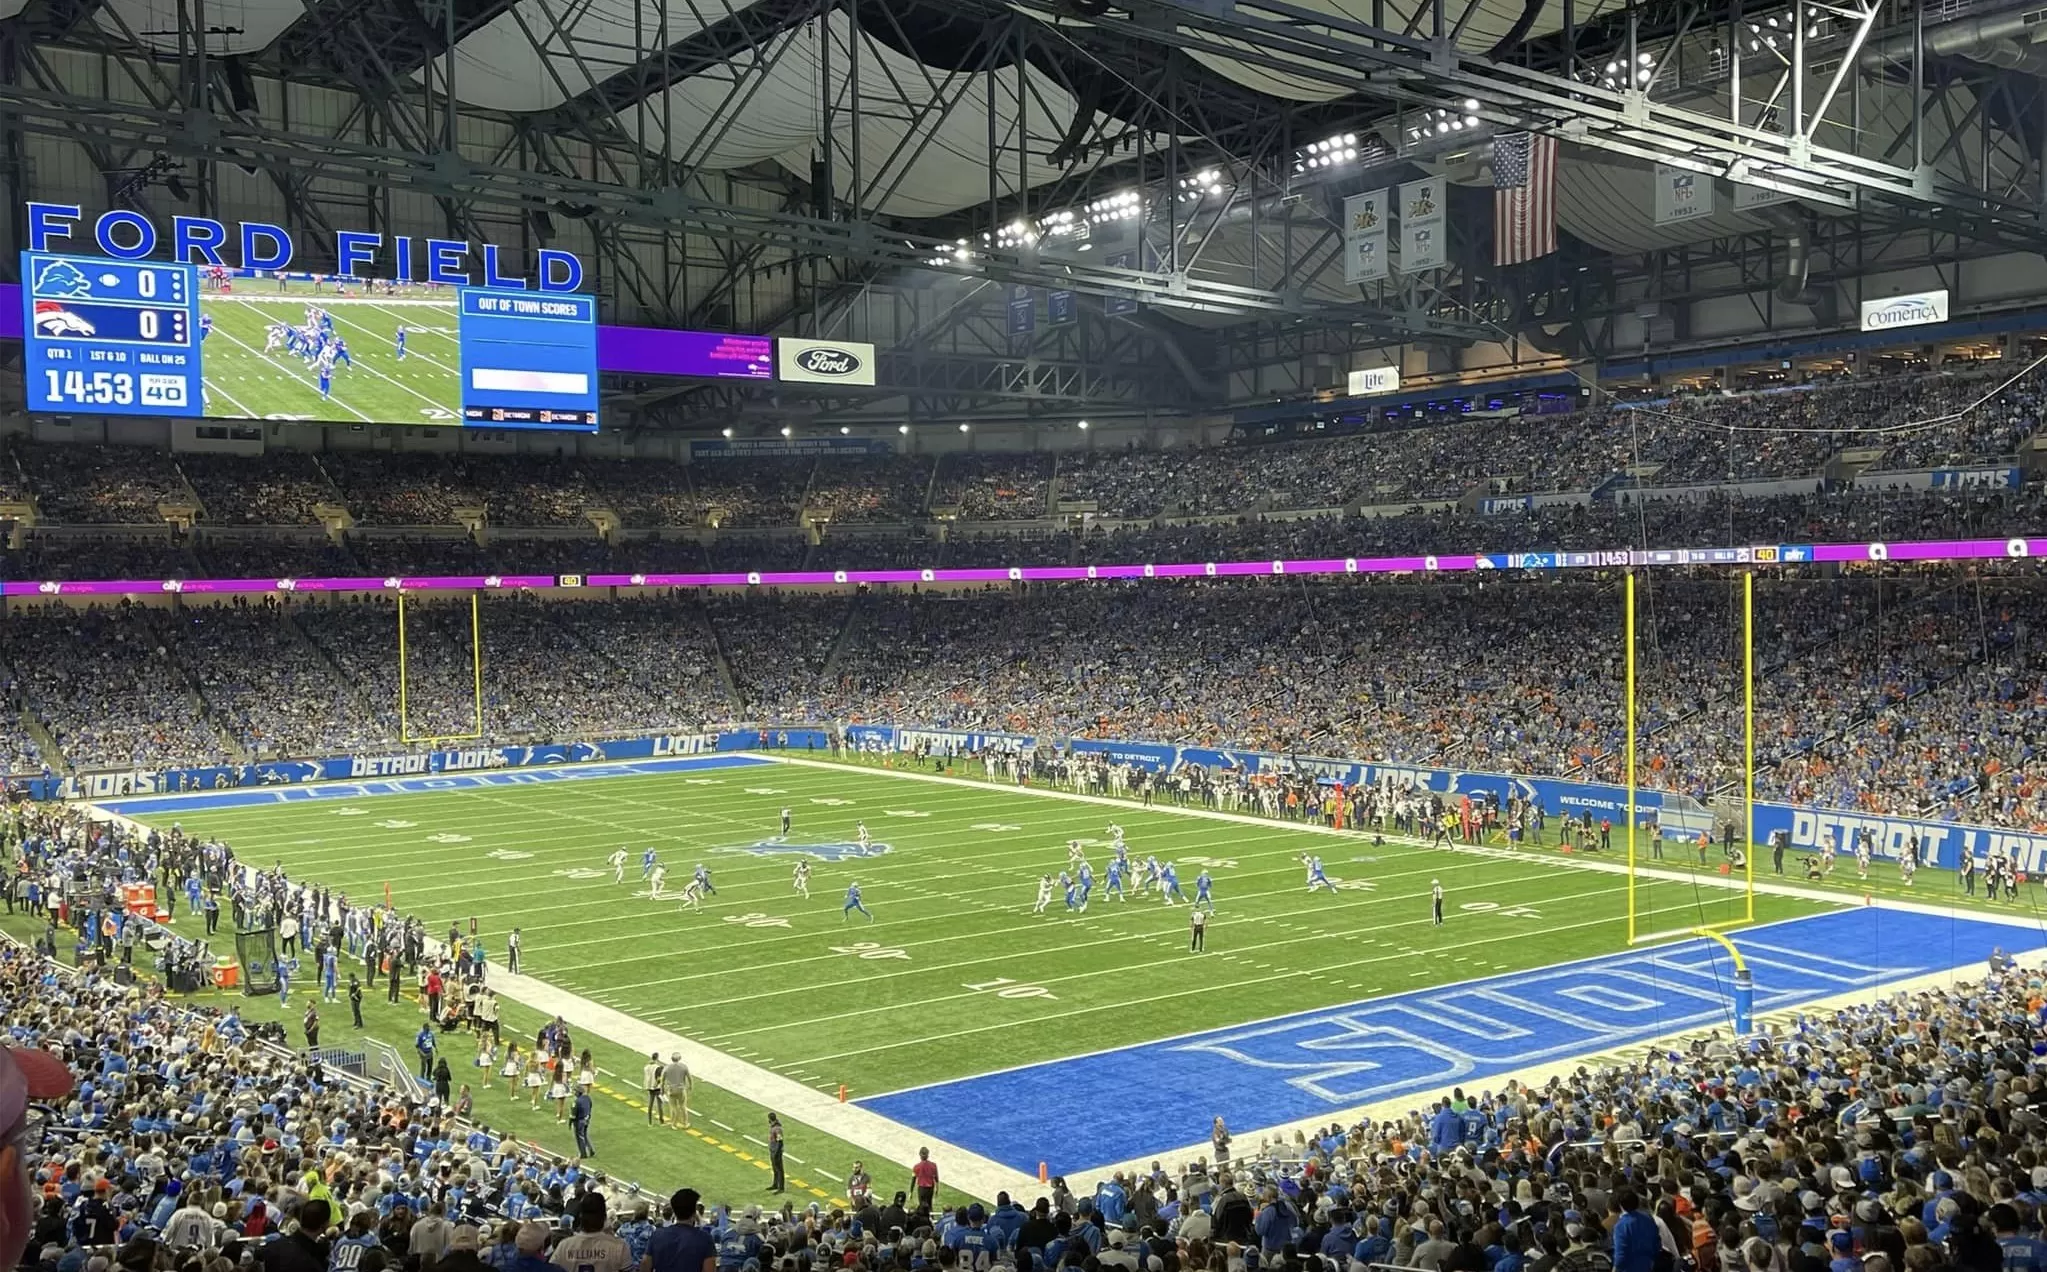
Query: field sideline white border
x: 968, y: 1171
x: 1541, y: 1073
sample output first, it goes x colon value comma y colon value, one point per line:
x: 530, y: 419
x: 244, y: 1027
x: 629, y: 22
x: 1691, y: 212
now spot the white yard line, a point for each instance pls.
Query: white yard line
x: 983, y: 1177
x: 264, y: 360
x: 870, y: 1132
x: 1557, y: 860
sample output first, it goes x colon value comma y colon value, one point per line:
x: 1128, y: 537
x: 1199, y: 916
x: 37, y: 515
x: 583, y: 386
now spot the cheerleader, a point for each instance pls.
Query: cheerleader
x: 486, y: 1054
x: 509, y: 1071
x: 586, y: 1069
x: 535, y: 1081
x: 558, y: 1090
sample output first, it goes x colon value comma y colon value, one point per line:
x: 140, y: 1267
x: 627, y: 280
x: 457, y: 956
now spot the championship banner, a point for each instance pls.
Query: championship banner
x: 1023, y: 311
x: 1748, y: 196
x: 1422, y: 244
x: 1682, y: 195
x: 1364, y: 236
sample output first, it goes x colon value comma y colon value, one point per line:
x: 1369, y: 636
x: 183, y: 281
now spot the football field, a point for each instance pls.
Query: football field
x: 958, y: 1011
x: 375, y: 386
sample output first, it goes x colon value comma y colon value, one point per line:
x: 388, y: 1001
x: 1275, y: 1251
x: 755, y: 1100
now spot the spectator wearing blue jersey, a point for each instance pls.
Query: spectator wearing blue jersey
x: 531, y: 1250
x: 970, y: 1238
x: 349, y: 1251
x: 1006, y: 1222
x: 1276, y: 1221
x: 2023, y: 1251
x: 1446, y: 1128
x: 1112, y: 1201
x: 1377, y: 1246
x: 1635, y: 1240
x: 739, y: 1240
x: 636, y: 1232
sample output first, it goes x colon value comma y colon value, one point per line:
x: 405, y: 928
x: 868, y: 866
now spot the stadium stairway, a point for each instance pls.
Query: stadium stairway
x: 847, y: 627
x: 724, y: 664
x: 319, y: 651
x: 46, y: 746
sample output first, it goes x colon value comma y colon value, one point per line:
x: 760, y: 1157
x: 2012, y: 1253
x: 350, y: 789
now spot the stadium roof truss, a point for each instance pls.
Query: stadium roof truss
x: 1144, y: 151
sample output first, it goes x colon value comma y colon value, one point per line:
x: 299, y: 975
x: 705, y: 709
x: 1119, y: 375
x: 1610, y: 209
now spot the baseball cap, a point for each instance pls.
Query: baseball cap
x: 28, y: 1074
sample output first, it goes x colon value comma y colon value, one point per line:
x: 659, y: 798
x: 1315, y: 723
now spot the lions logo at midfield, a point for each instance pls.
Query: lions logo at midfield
x: 846, y: 850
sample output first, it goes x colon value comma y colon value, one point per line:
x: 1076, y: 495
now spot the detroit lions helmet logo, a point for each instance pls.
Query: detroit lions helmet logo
x: 845, y: 850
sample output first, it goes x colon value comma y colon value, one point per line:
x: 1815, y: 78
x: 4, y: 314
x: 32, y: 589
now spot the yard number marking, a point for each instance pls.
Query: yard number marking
x: 870, y: 949
x: 1003, y: 987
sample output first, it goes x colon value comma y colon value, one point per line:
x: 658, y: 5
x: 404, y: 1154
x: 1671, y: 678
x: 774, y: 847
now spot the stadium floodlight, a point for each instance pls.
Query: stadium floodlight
x: 1441, y: 121
x: 1340, y: 148
x: 727, y: 430
x: 904, y: 429
x: 1015, y: 234
x: 1083, y: 426
x: 964, y: 426
x: 1124, y: 205
x: 844, y: 430
x: 786, y: 430
x: 1207, y: 182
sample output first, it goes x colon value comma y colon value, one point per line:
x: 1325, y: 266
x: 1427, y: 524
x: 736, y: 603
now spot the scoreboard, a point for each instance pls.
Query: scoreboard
x: 119, y: 337
x: 162, y: 338
x: 529, y: 359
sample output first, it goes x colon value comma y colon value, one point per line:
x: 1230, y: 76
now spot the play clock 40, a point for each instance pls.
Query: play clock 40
x: 118, y: 335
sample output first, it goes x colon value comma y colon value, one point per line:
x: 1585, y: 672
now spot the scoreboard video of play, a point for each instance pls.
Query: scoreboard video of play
x: 140, y: 337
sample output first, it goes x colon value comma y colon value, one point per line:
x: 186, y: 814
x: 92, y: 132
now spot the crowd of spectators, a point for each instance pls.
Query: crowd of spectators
x: 103, y: 684
x: 875, y: 488
x: 281, y: 490
x: 101, y: 485
x: 101, y: 554
x: 1851, y: 515
x: 1900, y: 1133
x: 747, y: 492
x: 173, y: 1137
x: 994, y: 487
x: 779, y: 649
x: 1905, y: 691
x: 289, y: 701
x: 1891, y: 424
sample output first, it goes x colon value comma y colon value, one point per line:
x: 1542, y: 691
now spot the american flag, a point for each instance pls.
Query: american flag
x: 1524, y: 197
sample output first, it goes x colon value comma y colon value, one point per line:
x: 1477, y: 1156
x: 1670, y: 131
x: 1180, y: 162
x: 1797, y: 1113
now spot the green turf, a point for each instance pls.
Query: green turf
x: 721, y: 1160
x: 243, y: 381
x: 955, y: 976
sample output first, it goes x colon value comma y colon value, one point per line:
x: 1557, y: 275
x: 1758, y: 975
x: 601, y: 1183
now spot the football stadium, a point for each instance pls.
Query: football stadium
x: 1025, y: 635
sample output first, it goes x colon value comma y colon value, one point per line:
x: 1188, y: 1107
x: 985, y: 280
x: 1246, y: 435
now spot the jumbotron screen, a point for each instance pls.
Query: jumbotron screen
x: 139, y: 337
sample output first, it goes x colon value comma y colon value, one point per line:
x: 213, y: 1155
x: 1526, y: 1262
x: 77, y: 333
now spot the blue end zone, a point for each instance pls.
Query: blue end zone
x: 1163, y: 1094
x: 207, y: 801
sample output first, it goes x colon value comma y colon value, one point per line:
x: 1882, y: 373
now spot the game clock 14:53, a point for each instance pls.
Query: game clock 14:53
x: 119, y: 336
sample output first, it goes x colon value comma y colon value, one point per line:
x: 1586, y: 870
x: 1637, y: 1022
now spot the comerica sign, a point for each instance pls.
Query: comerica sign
x: 1915, y: 310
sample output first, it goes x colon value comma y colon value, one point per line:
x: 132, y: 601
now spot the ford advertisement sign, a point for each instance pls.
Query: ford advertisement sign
x: 824, y: 361
x: 1915, y: 310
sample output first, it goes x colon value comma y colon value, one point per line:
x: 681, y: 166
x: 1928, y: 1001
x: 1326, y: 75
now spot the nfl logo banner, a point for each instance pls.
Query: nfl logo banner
x: 1682, y: 195
x: 1421, y: 225
x: 1748, y: 196
x: 1364, y: 237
